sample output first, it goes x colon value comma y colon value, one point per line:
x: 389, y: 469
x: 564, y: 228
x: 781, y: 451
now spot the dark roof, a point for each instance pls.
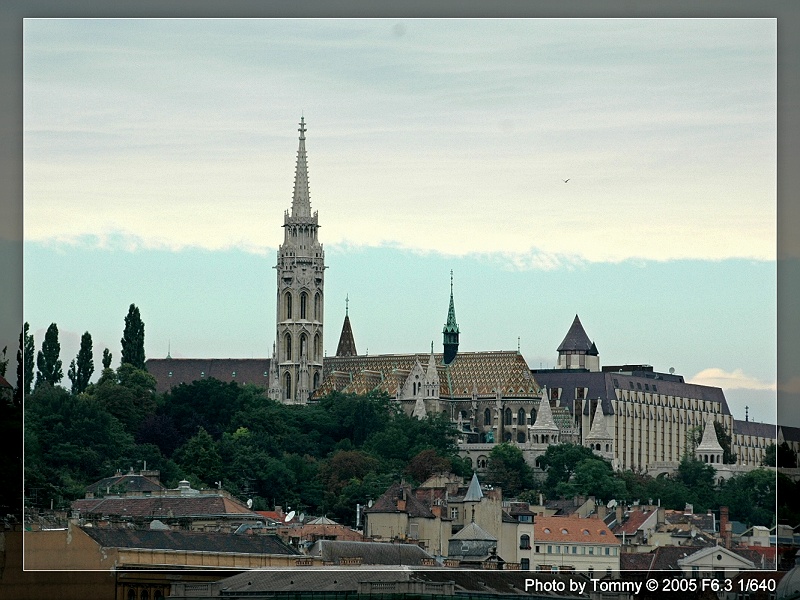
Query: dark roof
x: 131, y: 482
x: 347, y: 344
x: 4, y: 383
x: 764, y: 430
x: 576, y: 339
x: 161, y: 507
x: 790, y: 434
x: 601, y: 385
x: 388, y: 502
x: 171, y: 372
x: 193, y: 541
x: 371, y: 553
x: 486, y: 583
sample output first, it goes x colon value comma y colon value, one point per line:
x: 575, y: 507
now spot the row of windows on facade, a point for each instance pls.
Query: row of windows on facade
x: 671, y: 402
x: 288, y: 304
x: 287, y: 347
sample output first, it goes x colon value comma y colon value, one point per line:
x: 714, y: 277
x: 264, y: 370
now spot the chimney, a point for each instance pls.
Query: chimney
x: 436, y: 509
x: 724, y: 527
x: 618, y: 513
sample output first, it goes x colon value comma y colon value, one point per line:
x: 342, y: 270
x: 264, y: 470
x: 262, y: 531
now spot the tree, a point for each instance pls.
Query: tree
x: 4, y: 362
x: 81, y: 372
x: 28, y: 354
x: 508, y: 470
x: 106, y: 359
x: 560, y: 461
x: 593, y: 477
x: 724, y: 439
x: 201, y: 457
x: 48, y: 362
x: 785, y: 456
x: 426, y: 463
x: 133, y: 339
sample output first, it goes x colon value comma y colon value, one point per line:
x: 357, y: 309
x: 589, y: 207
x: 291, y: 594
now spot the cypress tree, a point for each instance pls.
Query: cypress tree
x: 133, y: 339
x: 47, y: 361
x: 28, y: 355
x: 80, y: 372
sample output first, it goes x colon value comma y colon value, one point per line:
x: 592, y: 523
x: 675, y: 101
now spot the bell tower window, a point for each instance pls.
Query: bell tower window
x: 303, y: 303
x: 288, y: 304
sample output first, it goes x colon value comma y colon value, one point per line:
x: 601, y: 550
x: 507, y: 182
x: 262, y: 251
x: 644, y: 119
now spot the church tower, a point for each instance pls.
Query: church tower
x: 301, y: 274
x: 450, y: 331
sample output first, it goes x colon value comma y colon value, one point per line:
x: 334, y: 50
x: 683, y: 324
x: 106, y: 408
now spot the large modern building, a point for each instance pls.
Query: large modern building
x: 634, y: 416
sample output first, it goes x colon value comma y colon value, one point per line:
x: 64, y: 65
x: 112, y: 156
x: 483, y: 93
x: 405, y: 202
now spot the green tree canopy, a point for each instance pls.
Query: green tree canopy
x: 48, y: 362
x: 508, y: 470
x: 593, y: 477
x: 200, y: 457
x: 560, y: 461
x: 133, y: 339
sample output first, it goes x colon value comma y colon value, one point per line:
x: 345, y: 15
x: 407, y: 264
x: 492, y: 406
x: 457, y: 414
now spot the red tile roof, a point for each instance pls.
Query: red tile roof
x: 573, y: 530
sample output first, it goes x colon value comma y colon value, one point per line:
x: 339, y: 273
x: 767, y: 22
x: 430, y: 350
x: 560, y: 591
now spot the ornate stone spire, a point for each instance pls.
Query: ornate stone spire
x: 599, y: 430
x: 544, y: 430
x: 450, y: 332
x: 301, y: 201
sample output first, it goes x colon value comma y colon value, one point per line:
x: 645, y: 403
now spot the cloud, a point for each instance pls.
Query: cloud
x: 733, y: 380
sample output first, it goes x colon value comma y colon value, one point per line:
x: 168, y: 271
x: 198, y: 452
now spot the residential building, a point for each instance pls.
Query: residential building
x: 575, y: 544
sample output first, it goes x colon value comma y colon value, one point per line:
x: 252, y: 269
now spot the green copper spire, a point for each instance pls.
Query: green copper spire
x: 450, y: 331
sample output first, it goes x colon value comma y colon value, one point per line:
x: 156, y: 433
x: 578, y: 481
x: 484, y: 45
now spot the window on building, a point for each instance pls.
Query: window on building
x: 454, y: 512
x: 507, y: 415
x: 287, y: 383
x: 288, y: 304
x: 487, y: 417
x: 579, y: 393
x: 524, y: 542
x: 287, y: 344
x: 521, y: 417
x: 316, y: 380
x: 525, y: 564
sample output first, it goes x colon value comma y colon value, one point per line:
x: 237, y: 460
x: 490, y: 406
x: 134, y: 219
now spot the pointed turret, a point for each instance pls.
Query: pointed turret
x: 347, y: 344
x: 577, y: 351
x: 450, y: 332
x: 544, y: 430
x: 474, y: 492
x: 301, y: 200
x: 599, y: 430
x: 274, y: 391
x: 709, y: 449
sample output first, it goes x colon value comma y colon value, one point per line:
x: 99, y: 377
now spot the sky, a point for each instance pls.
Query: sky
x: 159, y: 158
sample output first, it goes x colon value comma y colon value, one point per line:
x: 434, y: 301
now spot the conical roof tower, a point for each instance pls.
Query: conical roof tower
x: 347, y: 344
x: 450, y: 332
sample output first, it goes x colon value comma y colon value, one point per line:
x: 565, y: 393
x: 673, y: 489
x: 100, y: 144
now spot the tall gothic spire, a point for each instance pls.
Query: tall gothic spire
x: 450, y: 332
x: 347, y: 344
x: 301, y: 201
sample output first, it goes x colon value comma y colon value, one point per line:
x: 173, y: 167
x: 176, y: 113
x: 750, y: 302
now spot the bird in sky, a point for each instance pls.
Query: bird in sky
x: 566, y: 180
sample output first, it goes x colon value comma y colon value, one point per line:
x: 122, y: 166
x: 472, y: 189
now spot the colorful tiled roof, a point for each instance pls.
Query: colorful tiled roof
x: 486, y: 371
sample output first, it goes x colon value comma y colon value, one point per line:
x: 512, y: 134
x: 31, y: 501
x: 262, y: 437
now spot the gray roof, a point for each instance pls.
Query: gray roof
x: 765, y: 430
x: 474, y: 493
x: 171, y: 372
x: 576, y: 339
x: 473, y: 531
x: 601, y: 385
x: 188, y: 540
x: 371, y: 553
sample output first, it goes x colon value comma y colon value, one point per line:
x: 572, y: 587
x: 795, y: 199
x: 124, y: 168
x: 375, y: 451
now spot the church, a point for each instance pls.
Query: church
x: 635, y: 417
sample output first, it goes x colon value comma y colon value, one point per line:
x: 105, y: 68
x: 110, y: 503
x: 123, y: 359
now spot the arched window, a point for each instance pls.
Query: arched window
x: 525, y: 542
x: 316, y: 380
x: 317, y: 307
x: 303, y: 303
x: 144, y: 595
x: 487, y: 417
x: 521, y: 437
x: 303, y: 345
x: 131, y: 594
x: 508, y: 416
x: 317, y: 351
x: 521, y: 417
x: 287, y: 302
x: 287, y: 383
x: 507, y: 436
x: 287, y: 344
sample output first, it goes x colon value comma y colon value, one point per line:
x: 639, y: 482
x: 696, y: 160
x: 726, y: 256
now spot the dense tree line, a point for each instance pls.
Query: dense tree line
x: 323, y: 458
